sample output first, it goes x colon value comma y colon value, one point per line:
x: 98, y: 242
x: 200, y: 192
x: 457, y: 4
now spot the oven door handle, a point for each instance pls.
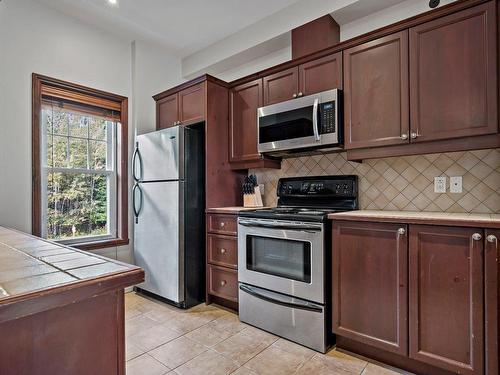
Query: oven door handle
x: 294, y: 305
x: 306, y: 228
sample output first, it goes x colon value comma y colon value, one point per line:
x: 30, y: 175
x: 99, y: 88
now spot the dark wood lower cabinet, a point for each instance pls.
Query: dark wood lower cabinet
x: 446, y: 297
x: 426, y: 301
x: 370, y: 284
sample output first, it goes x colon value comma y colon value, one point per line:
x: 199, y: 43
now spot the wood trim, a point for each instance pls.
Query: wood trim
x: 120, y: 334
x: 67, y: 94
x: 185, y: 85
x: 41, y: 84
x: 446, y: 145
x: 491, y: 301
x: 375, y: 34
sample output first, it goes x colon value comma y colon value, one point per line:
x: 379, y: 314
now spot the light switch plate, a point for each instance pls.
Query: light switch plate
x: 456, y: 184
x: 440, y: 184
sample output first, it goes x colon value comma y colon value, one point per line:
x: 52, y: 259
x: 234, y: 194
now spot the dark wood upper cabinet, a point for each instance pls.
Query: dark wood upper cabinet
x: 167, y: 112
x: 492, y: 298
x: 321, y: 74
x: 281, y: 86
x: 244, y: 101
x: 376, y: 109
x: 453, y: 75
x: 192, y: 104
x: 370, y: 284
x: 446, y: 297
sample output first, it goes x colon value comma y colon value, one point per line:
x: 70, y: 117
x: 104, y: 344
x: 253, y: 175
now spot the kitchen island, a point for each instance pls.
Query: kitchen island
x: 61, y: 309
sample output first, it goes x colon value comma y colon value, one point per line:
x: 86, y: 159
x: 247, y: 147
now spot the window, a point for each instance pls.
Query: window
x: 79, y: 164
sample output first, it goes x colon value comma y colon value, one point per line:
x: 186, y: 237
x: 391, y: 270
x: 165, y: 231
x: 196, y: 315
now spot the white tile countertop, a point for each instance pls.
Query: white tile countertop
x: 413, y: 217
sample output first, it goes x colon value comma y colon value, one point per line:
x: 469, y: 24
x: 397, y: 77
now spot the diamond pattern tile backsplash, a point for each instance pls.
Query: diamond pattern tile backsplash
x: 404, y: 183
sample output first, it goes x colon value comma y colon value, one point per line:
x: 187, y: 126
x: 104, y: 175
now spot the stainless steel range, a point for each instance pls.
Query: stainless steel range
x: 283, y: 253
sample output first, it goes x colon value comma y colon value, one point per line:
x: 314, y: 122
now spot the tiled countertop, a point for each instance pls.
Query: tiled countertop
x: 412, y: 217
x: 30, y: 265
x: 230, y: 210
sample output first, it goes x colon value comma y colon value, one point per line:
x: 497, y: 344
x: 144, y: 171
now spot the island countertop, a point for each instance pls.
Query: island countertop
x: 31, y: 267
x: 61, y: 309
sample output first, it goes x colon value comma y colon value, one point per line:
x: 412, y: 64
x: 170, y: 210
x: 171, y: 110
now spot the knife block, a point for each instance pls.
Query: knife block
x: 253, y: 200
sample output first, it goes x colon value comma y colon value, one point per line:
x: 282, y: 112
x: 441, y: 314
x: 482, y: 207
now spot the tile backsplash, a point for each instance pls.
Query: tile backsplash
x: 404, y: 183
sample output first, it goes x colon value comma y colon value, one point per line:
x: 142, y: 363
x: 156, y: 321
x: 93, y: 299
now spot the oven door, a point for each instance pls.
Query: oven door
x: 283, y: 256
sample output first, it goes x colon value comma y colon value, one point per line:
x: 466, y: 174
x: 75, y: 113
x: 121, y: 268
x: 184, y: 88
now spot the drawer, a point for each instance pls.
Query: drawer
x: 223, y: 282
x: 223, y: 224
x: 223, y: 250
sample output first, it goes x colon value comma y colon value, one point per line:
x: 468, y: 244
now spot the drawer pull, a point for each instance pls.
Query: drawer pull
x: 401, y: 231
x: 491, y: 238
x: 223, y: 251
x: 476, y: 237
x: 223, y: 283
x: 222, y: 224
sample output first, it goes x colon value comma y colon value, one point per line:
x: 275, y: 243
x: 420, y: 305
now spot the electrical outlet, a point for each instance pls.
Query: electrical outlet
x: 440, y: 184
x: 456, y: 184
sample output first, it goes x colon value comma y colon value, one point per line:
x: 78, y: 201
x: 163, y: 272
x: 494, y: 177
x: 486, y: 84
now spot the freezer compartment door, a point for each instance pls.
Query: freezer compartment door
x: 158, y: 243
x: 159, y: 155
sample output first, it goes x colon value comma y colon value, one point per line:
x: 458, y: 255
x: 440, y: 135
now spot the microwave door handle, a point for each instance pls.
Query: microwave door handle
x: 282, y: 302
x: 315, y: 120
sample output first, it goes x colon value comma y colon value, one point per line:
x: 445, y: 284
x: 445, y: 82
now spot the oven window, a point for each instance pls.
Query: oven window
x: 285, y: 258
x: 296, y: 123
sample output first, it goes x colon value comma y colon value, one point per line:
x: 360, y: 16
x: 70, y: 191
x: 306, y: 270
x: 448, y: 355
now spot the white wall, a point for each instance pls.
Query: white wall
x: 35, y: 38
x: 155, y: 69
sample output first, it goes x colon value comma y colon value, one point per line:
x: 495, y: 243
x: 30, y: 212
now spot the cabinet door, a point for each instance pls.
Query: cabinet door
x: 446, y: 298
x: 453, y: 75
x: 244, y: 101
x: 321, y: 74
x: 281, y: 86
x: 376, y: 92
x: 167, y: 112
x: 192, y: 104
x: 370, y: 284
x: 492, y: 294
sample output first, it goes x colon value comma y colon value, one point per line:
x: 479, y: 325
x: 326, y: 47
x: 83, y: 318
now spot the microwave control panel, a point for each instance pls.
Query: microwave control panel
x: 327, y: 117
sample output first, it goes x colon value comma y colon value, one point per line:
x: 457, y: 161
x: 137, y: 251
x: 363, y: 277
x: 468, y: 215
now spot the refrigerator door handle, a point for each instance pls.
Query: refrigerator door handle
x: 137, y: 211
x: 135, y: 156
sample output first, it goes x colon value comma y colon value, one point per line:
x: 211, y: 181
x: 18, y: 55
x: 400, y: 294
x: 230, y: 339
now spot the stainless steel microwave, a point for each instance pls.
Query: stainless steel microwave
x: 305, y: 123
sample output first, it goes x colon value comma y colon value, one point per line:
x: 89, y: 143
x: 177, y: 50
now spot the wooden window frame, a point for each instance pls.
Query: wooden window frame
x: 80, y: 94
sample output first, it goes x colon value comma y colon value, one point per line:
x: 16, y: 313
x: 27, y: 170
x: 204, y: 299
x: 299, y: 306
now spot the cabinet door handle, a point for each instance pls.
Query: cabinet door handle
x: 300, y: 93
x: 222, y: 251
x: 401, y: 231
x: 223, y: 283
x: 404, y: 136
x: 476, y: 236
x: 222, y: 224
x: 294, y: 96
x: 414, y: 135
x: 491, y: 238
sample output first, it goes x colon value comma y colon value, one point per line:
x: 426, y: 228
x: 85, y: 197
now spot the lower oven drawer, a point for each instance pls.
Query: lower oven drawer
x: 292, y: 318
x: 223, y: 282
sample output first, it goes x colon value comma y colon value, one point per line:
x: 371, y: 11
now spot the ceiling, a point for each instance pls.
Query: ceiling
x: 184, y: 26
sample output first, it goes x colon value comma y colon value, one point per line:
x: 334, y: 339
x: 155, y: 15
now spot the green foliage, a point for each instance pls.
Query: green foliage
x: 76, y: 202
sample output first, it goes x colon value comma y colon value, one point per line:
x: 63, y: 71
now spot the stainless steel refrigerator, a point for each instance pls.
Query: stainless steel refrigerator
x: 168, y: 202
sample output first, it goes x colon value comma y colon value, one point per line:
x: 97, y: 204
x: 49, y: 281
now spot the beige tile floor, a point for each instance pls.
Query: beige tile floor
x: 207, y: 340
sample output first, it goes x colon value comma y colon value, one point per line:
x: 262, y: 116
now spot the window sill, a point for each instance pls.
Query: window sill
x: 101, y: 244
